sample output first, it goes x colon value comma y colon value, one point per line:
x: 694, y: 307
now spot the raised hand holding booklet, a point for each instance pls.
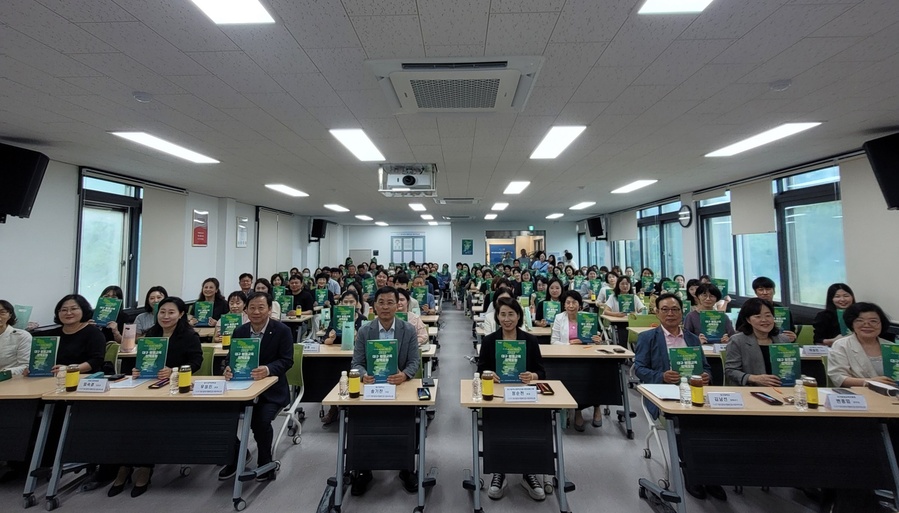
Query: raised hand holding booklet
x: 244, y: 357
x: 228, y: 322
x: 550, y: 309
x: 713, y: 325
x: 648, y: 283
x: 670, y: 287
x: 686, y: 361
x: 23, y: 315
x: 785, y: 362
x: 527, y: 288
x: 586, y: 326
x: 203, y: 311
x: 278, y: 292
x: 321, y: 296
x: 625, y: 303
x: 381, y: 358
x: 286, y: 302
x: 890, y: 354
x: 595, y: 287
x: 420, y: 294
x: 340, y: 315
x: 43, y: 356
x: 368, y: 286
x: 511, y: 360
x: 151, y: 353
x: 721, y: 283
x: 782, y: 318
x: 107, y: 310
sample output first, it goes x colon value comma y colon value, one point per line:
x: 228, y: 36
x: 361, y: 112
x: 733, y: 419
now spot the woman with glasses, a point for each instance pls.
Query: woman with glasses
x: 707, y: 296
x: 858, y: 357
x: 15, y: 344
x: 745, y: 364
x: 80, y: 342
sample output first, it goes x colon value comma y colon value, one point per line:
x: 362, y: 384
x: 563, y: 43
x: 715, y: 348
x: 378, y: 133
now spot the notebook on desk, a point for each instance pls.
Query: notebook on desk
x: 664, y: 392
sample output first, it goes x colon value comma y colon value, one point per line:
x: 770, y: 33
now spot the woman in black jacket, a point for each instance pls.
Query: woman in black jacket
x: 827, y: 323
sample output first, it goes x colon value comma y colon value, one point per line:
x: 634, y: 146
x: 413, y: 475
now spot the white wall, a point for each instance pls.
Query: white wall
x: 559, y: 237
x: 437, y: 241
x: 870, y: 237
x: 38, y: 254
x: 200, y: 261
x: 162, y: 241
x: 690, y: 240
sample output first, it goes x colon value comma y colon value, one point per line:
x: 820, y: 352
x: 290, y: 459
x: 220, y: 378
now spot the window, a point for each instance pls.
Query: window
x: 109, y: 238
x: 661, y: 240
x: 627, y: 253
x: 596, y: 253
x: 757, y: 256
x: 718, y: 248
x: 820, y: 177
x: 651, y: 248
x: 673, y: 257
x: 409, y: 248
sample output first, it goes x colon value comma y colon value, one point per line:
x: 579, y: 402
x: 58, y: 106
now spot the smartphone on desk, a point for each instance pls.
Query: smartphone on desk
x: 545, y: 389
x: 766, y: 398
x: 161, y: 383
x: 424, y: 394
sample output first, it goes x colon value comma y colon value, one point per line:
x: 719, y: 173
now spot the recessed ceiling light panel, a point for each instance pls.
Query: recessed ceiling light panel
x: 285, y: 189
x: 359, y: 144
x: 418, y: 207
x: 364, y: 218
x: 554, y: 216
x: 232, y: 12
x: 499, y: 206
x: 583, y: 205
x: 785, y: 130
x: 427, y: 217
x: 336, y: 208
x: 516, y: 187
x: 673, y: 6
x: 381, y: 223
x: 166, y: 147
x: 490, y: 216
x: 556, y: 140
x: 633, y: 186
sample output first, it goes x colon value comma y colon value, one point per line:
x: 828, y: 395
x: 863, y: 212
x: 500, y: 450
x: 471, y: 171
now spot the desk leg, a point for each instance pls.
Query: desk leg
x: 677, y: 476
x: 625, y: 399
x: 422, y: 468
x: 52, y: 501
x: 891, y: 457
x: 560, y: 465
x: 239, y: 503
x: 341, y: 454
x: 475, y: 461
x: 39, y: 446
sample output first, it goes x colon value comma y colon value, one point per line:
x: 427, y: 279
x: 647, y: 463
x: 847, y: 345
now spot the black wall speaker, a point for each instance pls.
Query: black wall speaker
x: 319, y: 227
x: 883, y: 154
x: 22, y: 172
x: 594, y: 228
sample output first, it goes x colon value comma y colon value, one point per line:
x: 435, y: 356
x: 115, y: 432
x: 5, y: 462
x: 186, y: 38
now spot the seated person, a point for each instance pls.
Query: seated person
x: 212, y: 293
x: 275, y: 359
x: 564, y: 331
x: 489, y: 325
x: 553, y: 293
x: 15, y: 344
x: 421, y: 331
x: 764, y: 289
x: 302, y: 298
x: 237, y: 304
x: 707, y: 296
x: 429, y: 306
x: 146, y: 319
x: 349, y: 298
x: 745, y: 363
x: 858, y: 357
x: 509, y: 317
x: 402, y: 281
x: 81, y: 343
x: 387, y: 327
x: 246, y: 283
x: 112, y: 332
x: 321, y: 282
x: 827, y: 322
x: 263, y: 285
x: 652, y: 365
x: 612, y: 308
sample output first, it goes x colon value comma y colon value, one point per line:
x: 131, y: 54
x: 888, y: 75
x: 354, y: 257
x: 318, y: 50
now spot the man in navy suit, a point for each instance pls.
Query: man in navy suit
x: 652, y: 365
x: 275, y: 358
x: 387, y: 327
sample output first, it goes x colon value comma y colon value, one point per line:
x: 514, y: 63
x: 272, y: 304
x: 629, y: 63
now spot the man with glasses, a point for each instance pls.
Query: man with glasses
x: 764, y: 289
x: 652, y: 365
x: 387, y: 327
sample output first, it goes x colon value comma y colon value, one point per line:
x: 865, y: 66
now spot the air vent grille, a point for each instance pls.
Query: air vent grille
x: 455, y: 218
x: 457, y: 201
x: 455, y: 94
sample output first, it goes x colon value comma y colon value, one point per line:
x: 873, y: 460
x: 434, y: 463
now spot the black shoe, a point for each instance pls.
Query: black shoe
x: 697, y: 491
x: 227, y: 472
x: 266, y: 476
x: 717, y: 492
x: 137, y: 491
x: 410, y: 481
x: 125, y: 476
x: 360, y: 483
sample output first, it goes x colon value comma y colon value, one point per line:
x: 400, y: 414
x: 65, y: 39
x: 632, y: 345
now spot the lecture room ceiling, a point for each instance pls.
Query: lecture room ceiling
x: 656, y: 94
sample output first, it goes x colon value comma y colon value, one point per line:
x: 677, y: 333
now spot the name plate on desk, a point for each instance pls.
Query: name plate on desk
x: 94, y: 386
x: 725, y: 400
x: 209, y: 387
x: 846, y: 402
x: 814, y: 350
x: 526, y: 394
x: 379, y: 392
x: 720, y: 347
x: 312, y: 347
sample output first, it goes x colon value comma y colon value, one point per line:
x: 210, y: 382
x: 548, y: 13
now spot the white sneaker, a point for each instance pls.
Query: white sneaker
x: 534, y: 486
x: 497, y: 487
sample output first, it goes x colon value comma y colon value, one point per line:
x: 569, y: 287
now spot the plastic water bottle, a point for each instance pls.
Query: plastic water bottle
x: 684, y: 392
x: 61, y: 379
x: 343, y: 387
x: 173, y: 382
x: 476, y: 388
x: 800, y: 399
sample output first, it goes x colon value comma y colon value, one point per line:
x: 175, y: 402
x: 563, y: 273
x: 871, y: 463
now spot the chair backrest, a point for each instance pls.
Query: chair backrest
x: 639, y: 321
x: 208, y: 356
x: 806, y: 335
x: 829, y: 383
x: 420, y: 372
x: 295, y: 373
x: 112, y: 355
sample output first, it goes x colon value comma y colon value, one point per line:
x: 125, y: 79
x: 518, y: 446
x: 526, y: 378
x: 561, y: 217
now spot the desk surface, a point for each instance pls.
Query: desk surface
x: 639, y: 329
x: 614, y: 319
x: 582, y: 351
x: 19, y: 387
x: 406, y: 395
x: 537, y: 331
x: 561, y: 399
x: 430, y: 319
x: 334, y: 350
x: 144, y: 393
x: 879, y: 406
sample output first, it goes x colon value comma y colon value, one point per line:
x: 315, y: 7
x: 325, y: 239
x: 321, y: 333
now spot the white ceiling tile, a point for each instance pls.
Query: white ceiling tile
x: 389, y: 36
x: 865, y: 19
x: 456, y: 126
x: 604, y: 84
x: 35, y: 79
x: 181, y: 23
x: 379, y: 7
x: 368, y: 103
x: 642, y: 39
x: 567, y: 64
x: 288, y: 111
x: 664, y: 112
x: 580, y: 113
x: 40, y: 56
x: 272, y: 47
x: 145, y: 46
x: 591, y: 20
x: 344, y: 68
x: 317, y: 24
x: 393, y: 147
x: 428, y: 153
x: 526, y: 5
x: 802, y: 56
x: 235, y: 129
x: 129, y: 72
x: 310, y: 89
x: 192, y: 106
x: 730, y: 97
x: 49, y: 28
x: 878, y: 47
x: 334, y: 117
x: 547, y: 101
x: 681, y: 60
x: 468, y: 27
x: 455, y: 51
x: 418, y: 121
x: 519, y: 34
x: 636, y: 99
x: 423, y: 137
x: 95, y: 10
x: 728, y: 20
x: 708, y: 80
x: 382, y: 128
x: 212, y: 90
x: 257, y: 119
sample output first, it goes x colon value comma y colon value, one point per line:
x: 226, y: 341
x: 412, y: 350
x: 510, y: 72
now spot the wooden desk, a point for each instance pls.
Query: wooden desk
x: 535, y: 448
x: 639, y: 329
x: 593, y: 374
x: 430, y: 319
x: 774, y: 444
x: 205, y: 430
x: 382, y: 435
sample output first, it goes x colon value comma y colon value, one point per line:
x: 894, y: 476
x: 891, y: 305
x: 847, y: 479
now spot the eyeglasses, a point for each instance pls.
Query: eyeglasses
x: 872, y: 323
x: 257, y: 309
x: 669, y: 311
x: 385, y: 303
x: 69, y: 310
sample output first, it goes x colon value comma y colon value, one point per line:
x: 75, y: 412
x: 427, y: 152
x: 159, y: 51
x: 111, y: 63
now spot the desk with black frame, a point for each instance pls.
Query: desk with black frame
x: 382, y: 435
x: 206, y: 429
x: 20, y: 400
x: 522, y: 438
x: 769, y: 445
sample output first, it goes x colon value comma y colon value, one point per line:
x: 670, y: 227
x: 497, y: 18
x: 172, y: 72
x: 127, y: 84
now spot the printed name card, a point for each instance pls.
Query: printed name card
x: 93, y: 386
x: 725, y: 400
x: 525, y: 394
x: 846, y: 402
x: 209, y: 387
x: 379, y: 392
x: 720, y: 347
x: 311, y: 347
x: 815, y: 350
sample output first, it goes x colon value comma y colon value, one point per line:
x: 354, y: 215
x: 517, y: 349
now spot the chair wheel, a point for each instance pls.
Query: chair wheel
x: 291, y: 431
x: 647, y: 453
x: 620, y: 418
x: 664, y: 483
x: 606, y: 411
x: 240, y: 504
x: 185, y: 471
x: 738, y: 490
x: 51, y: 504
x: 297, y: 439
x: 29, y: 501
x: 277, y: 466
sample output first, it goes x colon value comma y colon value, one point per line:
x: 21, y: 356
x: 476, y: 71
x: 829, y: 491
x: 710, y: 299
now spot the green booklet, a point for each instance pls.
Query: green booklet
x: 278, y: 292
x: 670, y: 287
x: 844, y: 330
x: 785, y: 362
x: 686, y: 361
x: 23, y: 315
x: 595, y: 287
x: 286, y: 302
x: 713, y: 325
x: 403, y: 316
x: 511, y: 360
x: 721, y: 283
x: 285, y: 275
x: 551, y: 309
x: 420, y: 294
x: 368, y: 286
x: 348, y: 335
x: 648, y: 284
x: 203, y: 311
x: 321, y: 296
x: 107, y: 310
x: 244, y: 357
x: 890, y: 354
x: 151, y: 353
x: 43, y: 356
x: 524, y: 301
x: 782, y: 318
x: 381, y: 358
x: 540, y: 295
x: 626, y: 303
x: 527, y: 288
x: 578, y: 281
x: 586, y: 326
x: 229, y: 322
x: 341, y: 314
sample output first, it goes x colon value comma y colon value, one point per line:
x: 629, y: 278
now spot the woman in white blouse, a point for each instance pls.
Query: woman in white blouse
x: 858, y: 357
x: 15, y: 344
